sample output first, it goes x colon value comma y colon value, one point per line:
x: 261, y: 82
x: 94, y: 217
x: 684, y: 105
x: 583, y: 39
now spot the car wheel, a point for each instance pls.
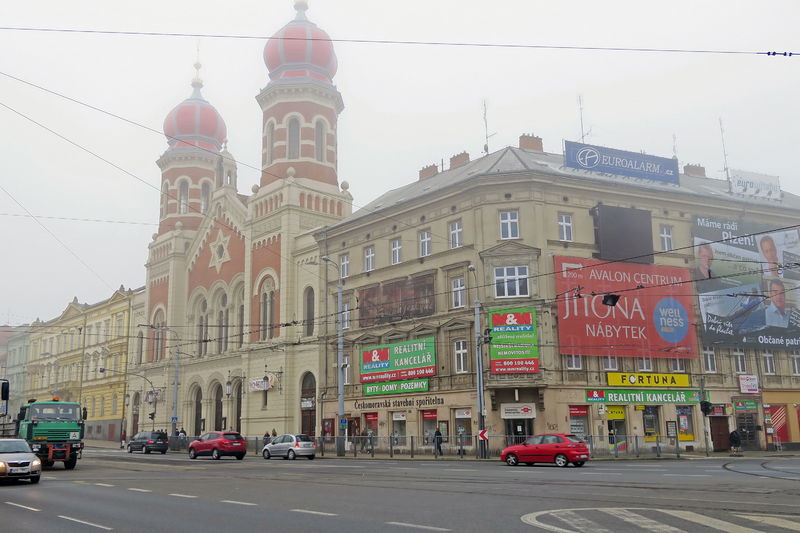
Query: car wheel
x: 311, y: 457
x: 192, y: 453
x: 579, y: 463
x: 163, y: 452
x: 34, y: 480
x: 215, y: 454
x: 130, y: 450
x: 48, y: 463
x: 70, y: 463
x: 146, y: 450
x: 239, y: 456
x: 291, y: 455
x: 561, y: 460
x: 512, y: 460
x: 265, y: 454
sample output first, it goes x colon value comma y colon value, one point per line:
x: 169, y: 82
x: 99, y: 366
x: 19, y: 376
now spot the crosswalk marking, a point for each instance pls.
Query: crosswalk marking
x: 707, y: 521
x: 773, y: 521
x: 580, y: 523
x: 642, y: 522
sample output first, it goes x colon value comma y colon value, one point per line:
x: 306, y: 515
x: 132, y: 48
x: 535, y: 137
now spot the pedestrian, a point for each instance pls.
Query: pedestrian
x: 182, y: 434
x: 363, y: 439
x: 267, y: 437
x: 122, y: 439
x: 437, y: 439
x: 274, y: 433
x: 735, y: 440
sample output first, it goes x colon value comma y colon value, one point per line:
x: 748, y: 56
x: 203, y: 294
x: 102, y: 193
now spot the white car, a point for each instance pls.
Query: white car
x: 290, y: 446
x: 17, y: 461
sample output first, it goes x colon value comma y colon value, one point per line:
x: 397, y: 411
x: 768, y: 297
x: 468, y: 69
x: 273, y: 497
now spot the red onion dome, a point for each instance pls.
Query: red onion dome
x: 300, y: 49
x: 195, y: 122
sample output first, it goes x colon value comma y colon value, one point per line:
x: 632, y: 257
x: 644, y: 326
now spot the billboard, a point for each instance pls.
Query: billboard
x: 652, y: 318
x: 611, y: 161
x: 399, y: 361
x: 515, y: 341
x: 746, y: 276
x: 754, y: 184
x: 623, y: 233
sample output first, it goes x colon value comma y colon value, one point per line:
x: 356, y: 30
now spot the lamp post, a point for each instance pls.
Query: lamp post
x: 103, y: 370
x: 478, y: 364
x: 339, y: 357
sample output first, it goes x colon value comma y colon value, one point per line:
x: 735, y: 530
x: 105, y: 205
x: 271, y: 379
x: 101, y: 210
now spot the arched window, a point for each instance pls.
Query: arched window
x: 202, y: 327
x: 270, y: 142
x: 183, y: 197
x: 267, y: 309
x: 164, y: 198
x: 157, y: 353
x: 222, y: 324
x: 320, y: 136
x: 114, y: 404
x: 294, y: 139
x: 309, y: 307
x: 205, y: 197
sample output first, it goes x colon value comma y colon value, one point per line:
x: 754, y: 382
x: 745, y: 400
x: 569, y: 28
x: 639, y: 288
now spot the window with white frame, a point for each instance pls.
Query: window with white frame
x: 369, y: 259
x: 345, y: 315
x: 610, y: 362
x: 346, y: 370
x: 565, y: 227
x: 344, y: 265
x: 459, y: 292
x: 645, y: 364
x: 397, y: 251
x: 769, y: 362
x: 574, y: 362
x: 425, y: 242
x: 456, y: 234
x: 183, y: 197
x: 739, y: 361
x: 665, y: 232
x: 709, y: 360
x: 509, y: 225
x: 461, y: 356
x: 511, y: 282
x: 678, y: 365
x: 795, y: 357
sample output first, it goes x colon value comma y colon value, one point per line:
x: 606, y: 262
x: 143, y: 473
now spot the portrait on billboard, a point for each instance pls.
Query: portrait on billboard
x: 749, y: 296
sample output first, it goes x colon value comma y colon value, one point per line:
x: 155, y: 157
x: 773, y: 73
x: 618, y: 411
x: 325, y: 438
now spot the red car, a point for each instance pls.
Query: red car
x: 555, y: 448
x: 219, y: 443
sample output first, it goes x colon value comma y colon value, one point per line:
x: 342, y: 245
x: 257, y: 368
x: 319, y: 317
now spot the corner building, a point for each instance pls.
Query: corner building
x: 526, y: 235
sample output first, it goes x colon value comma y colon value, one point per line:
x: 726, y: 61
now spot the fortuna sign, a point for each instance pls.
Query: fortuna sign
x: 647, y: 380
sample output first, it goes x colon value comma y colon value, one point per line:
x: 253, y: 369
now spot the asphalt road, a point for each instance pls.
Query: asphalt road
x: 111, y: 490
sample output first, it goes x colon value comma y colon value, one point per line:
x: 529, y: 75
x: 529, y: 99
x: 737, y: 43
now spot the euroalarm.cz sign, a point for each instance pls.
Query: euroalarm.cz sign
x: 652, y: 317
x: 399, y: 361
x: 611, y: 161
x: 515, y: 342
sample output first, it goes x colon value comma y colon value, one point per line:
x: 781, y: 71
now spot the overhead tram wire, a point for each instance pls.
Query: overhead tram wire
x: 460, y: 44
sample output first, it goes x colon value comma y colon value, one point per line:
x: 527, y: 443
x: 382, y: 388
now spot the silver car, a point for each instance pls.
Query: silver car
x: 290, y: 447
x: 18, y: 462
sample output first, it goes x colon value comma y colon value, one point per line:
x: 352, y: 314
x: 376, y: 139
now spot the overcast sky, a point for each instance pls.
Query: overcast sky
x: 405, y: 106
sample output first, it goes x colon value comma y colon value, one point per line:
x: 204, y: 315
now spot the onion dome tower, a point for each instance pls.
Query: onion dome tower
x: 300, y: 104
x: 196, y: 161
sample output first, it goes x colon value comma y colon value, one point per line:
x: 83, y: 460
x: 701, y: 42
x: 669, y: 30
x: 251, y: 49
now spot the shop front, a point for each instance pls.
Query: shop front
x: 747, y: 422
x: 782, y: 420
x: 518, y: 420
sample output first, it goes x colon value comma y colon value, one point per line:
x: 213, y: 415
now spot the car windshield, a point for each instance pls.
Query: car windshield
x: 304, y: 438
x: 232, y: 436
x: 54, y: 411
x: 16, y: 446
x: 573, y: 438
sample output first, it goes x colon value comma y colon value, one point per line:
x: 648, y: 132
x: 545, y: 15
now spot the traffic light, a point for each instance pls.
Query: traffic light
x: 706, y: 407
x: 487, y: 336
x: 4, y: 390
x: 152, y: 416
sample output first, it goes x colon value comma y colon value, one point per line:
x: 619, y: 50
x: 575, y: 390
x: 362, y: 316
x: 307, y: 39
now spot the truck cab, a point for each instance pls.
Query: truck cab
x: 54, y: 430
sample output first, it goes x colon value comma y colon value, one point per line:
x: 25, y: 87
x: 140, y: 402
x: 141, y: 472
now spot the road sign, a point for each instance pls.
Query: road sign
x: 174, y: 419
x: 343, y: 422
x: 483, y: 434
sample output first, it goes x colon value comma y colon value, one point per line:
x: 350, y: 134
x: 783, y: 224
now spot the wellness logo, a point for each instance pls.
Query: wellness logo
x: 671, y: 320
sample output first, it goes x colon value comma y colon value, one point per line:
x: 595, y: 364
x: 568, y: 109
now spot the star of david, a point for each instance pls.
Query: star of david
x: 219, y: 252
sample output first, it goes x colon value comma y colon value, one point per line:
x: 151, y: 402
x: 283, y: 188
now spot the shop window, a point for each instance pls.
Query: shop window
x: 428, y: 425
x: 651, y: 422
x: 398, y: 428
x: 685, y: 422
x: 579, y: 420
x: 463, y: 418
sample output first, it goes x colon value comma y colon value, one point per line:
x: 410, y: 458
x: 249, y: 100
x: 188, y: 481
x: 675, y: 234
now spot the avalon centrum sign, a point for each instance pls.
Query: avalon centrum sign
x: 395, y: 387
x: 611, y: 161
x: 515, y: 341
x: 399, y: 361
x: 642, y: 396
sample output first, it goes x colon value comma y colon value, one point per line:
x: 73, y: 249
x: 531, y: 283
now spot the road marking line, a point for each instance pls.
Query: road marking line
x: 603, y: 473
x: 182, y: 495
x: 140, y: 490
x: 708, y: 521
x: 772, y: 521
x: 87, y: 523
x: 307, y: 511
x: 23, y: 506
x: 689, y: 475
x: 404, y: 468
x: 103, y: 485
x: 237, y: 503
x: 580, y: 523
x: 641, y: 522
x: 462, y: 470
x: 418, y: 526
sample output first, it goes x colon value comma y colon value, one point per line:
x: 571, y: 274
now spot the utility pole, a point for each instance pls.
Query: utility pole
x: 479, y: 367
x: 340, y: 434
x: 705, y: 416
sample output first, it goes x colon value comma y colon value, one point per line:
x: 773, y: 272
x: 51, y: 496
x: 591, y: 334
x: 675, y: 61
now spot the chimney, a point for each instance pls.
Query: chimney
x: 694, y: 170
x: 428, y: 172
x: 459, y: 160
x: 531, y: 142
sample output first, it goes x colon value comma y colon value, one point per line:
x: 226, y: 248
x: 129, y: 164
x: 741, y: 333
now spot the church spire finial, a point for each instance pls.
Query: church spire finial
x: 197, y: 83
x: 301, y: 6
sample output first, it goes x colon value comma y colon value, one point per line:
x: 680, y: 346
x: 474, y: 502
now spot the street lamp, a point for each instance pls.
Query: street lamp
x: 478, y: 365
x: 103, y: 370
x: 339, y: 355
x: 177, y: 372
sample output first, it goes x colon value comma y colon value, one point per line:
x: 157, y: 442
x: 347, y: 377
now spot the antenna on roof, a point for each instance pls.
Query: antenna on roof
x: 725, y: 155
x: 584, y: 134
x: 674, y: 146
x: 486, y: 130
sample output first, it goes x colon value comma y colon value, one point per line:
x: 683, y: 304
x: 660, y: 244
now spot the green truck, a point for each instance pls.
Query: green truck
x: 53, y: 429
